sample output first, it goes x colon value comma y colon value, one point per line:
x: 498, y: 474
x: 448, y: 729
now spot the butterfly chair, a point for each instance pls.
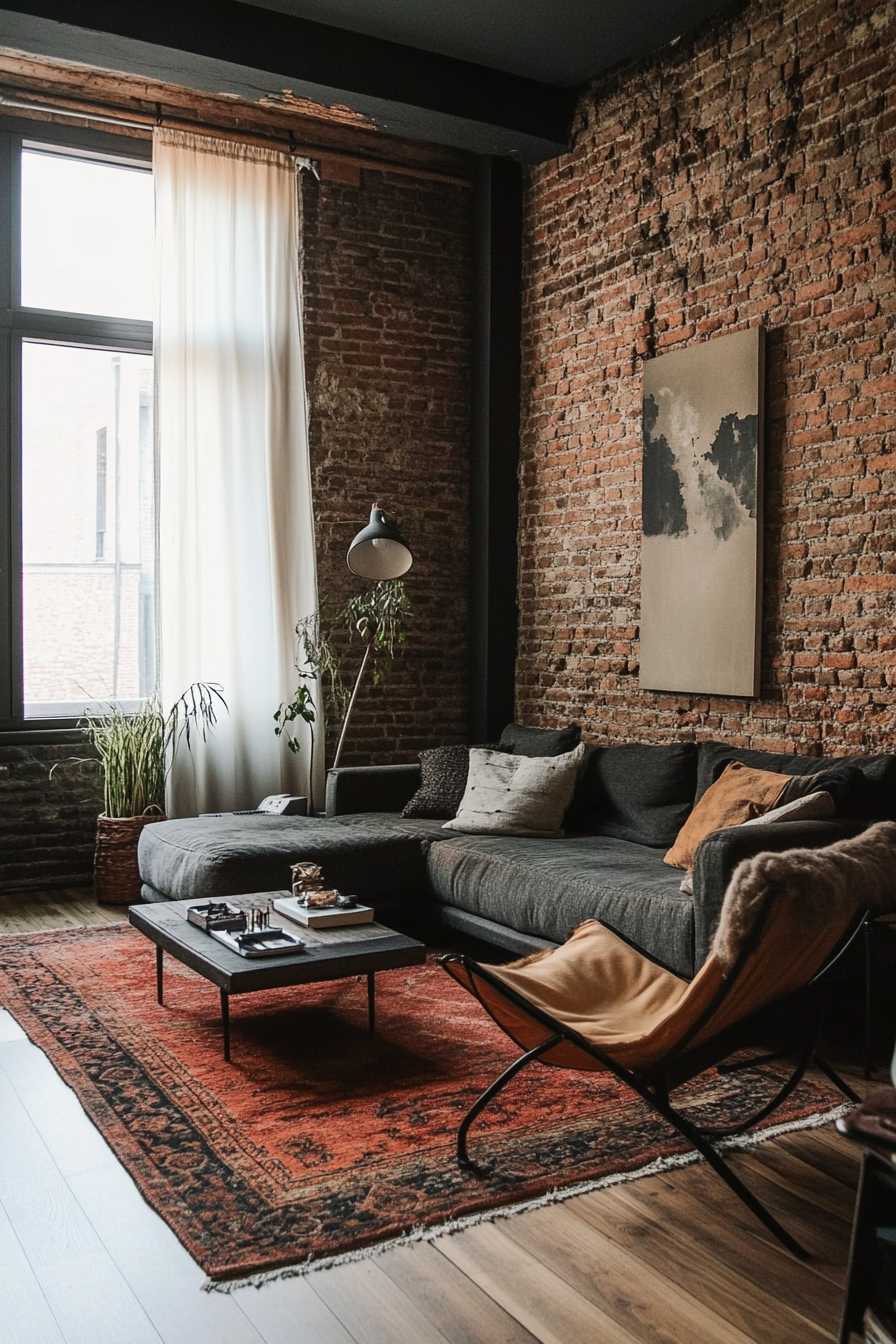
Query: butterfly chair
x: 597, y: 1003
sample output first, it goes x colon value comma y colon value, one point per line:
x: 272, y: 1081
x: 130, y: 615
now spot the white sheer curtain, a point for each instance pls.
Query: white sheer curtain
x: 236, y: 531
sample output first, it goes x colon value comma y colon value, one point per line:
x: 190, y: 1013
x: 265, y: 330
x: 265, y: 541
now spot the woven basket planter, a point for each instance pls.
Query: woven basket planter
x: 115, y: 873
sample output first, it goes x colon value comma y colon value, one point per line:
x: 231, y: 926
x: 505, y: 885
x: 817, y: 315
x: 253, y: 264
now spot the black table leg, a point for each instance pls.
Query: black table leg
x: 159, y: 973
x: 225, y: 1022
x: 371, y: 1001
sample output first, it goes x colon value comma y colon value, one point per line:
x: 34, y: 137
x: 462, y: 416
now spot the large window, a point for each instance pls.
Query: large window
x: 78, y: 598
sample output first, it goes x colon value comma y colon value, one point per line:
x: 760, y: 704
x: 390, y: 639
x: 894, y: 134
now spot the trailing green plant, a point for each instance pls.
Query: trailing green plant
x: 317, y: 660
x: 135, y: 751
x: 378, y: 616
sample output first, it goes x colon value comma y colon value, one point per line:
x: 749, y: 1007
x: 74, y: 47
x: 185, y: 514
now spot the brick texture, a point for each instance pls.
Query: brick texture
x: 743, y: 176
x: 47, y: 826
x: 387, y: 340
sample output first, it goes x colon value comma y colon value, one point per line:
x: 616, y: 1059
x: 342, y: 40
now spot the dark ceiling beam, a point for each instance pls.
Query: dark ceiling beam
x: 306, y: 53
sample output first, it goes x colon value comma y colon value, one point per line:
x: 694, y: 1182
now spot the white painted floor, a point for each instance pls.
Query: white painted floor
x: 83, y: 1260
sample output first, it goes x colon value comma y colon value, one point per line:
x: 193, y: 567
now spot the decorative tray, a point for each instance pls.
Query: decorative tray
x: 259, y: 942
x: 217, y: 915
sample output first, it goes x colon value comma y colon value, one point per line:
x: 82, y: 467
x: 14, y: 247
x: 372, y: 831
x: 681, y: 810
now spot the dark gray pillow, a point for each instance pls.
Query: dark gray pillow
x: 443, y: 781
x: 871, y: 797
x: 540, y: 741
x: 639, y: 793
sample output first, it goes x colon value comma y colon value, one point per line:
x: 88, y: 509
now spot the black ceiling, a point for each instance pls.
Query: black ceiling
x: 491, y: 76
x: 562, y: 42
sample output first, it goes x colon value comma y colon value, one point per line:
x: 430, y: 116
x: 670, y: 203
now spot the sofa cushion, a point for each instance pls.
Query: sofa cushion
x: 373, y: 857
x: 874, y: 797
x: 516, y: 795
x: 638, y: 793
x: 545, y: 889
x: 540, y: 741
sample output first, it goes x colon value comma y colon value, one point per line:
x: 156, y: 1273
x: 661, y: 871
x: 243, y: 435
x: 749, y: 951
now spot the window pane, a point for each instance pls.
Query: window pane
x: 88, y: 528
x: 87, y: 236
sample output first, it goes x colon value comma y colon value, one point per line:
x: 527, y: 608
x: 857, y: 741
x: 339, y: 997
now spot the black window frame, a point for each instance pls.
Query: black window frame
x: 18, y: 324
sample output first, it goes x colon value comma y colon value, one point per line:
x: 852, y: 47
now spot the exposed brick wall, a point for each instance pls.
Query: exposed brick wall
x: 387, y: 332
x: 744, y: 176
x: 47, y: 826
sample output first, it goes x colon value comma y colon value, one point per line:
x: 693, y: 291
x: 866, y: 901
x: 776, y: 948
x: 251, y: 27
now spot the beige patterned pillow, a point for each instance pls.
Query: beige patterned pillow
x: 516, y: 795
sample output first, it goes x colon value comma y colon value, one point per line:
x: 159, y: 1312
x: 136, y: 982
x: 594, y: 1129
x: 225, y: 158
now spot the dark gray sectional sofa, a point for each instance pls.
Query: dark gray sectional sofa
x: 521, y: 894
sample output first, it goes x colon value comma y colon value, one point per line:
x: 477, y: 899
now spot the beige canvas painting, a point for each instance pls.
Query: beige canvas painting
x: 701, y: 517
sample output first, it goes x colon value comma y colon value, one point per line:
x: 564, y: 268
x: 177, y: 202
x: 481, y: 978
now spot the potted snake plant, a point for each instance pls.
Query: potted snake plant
x: 135, y: 753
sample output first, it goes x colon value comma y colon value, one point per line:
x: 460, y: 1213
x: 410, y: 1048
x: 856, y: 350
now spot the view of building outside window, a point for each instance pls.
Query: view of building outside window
x: 88, y: 538
x: 88, y: 481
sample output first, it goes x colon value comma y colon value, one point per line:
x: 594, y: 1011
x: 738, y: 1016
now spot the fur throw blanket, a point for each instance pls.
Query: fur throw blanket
x: 823, y: 885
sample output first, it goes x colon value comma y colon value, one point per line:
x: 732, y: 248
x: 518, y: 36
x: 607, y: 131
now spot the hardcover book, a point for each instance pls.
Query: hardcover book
x: 328, y: 918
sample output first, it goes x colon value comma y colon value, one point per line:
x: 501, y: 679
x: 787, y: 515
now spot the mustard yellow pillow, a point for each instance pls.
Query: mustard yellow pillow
x: 738, y: 795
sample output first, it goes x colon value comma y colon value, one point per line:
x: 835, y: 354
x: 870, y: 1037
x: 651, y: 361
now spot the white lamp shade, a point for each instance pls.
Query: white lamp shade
x: 379, y: 551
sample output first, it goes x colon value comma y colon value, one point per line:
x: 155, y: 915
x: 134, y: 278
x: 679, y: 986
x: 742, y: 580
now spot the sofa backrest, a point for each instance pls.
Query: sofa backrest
x: 874, y: 798
x: 634, y: 792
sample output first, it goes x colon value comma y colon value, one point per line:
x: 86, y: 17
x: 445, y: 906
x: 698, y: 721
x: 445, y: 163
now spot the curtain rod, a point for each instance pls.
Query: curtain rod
x: 70, y: 112
x: 286, y: 138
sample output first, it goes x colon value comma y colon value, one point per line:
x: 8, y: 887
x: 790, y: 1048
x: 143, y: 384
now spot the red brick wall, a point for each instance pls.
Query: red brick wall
x: 387, y: 342
x: 745, y: 176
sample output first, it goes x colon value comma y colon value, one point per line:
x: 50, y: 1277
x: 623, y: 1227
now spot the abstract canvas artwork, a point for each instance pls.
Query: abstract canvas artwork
x: 702, y: 523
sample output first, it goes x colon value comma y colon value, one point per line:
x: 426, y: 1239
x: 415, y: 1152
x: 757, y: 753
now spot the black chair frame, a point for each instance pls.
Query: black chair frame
x: 791, y: 1026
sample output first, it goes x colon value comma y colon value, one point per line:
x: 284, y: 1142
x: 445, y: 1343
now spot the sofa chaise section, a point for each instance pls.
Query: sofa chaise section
x: 208, y: 858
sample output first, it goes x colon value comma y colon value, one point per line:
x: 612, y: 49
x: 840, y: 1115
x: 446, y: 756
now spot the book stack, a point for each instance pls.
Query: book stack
x: 323, y: 917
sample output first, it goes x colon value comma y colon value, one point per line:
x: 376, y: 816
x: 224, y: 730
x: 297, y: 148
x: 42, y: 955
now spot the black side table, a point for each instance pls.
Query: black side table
x: 871, y: 1277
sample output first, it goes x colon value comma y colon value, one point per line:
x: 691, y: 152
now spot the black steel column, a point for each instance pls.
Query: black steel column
x: 494, y: 442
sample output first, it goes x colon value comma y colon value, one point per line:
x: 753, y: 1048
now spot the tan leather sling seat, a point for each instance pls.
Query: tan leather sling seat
x: 597, y: 1003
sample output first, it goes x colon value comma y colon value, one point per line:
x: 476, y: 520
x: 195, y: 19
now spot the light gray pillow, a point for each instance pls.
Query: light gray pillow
x: 516, y: 795
x: 816, y: 806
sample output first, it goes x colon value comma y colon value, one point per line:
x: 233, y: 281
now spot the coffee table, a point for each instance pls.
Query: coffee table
x: 330, y: 954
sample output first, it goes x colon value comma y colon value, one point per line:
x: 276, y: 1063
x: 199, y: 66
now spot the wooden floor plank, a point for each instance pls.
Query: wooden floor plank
x: 56, y: 908
x: 739, y: 1298
x: 803, y: 1179
x: 825, y: 1239
x: 713, y: 1238
x: 457, y: 1307
x: 827, y: 1150
x: 371, y: 1307
x: 646, y: 1302
x: 540, y: 1299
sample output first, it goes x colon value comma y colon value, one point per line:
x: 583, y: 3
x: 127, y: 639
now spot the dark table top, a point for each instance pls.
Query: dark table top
x: 330, y: 954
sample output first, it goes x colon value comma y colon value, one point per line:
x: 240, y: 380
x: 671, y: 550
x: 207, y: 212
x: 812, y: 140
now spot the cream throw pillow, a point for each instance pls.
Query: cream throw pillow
x: 516, y: 795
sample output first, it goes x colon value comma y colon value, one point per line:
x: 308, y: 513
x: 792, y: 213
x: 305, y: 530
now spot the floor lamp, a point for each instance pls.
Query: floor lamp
x: 378, y: 552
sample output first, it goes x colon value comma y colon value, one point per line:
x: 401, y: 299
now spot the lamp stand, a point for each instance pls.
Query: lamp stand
x: 351, y: 705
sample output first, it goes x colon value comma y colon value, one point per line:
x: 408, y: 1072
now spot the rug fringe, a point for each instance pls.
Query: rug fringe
x: 416, y: 1234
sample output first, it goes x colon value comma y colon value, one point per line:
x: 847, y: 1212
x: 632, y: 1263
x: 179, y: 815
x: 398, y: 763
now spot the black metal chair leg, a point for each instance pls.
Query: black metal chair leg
x: 463, y: 1158
x: 780, y: 1096
x: 836, y: 1079
x: 734, y: 1183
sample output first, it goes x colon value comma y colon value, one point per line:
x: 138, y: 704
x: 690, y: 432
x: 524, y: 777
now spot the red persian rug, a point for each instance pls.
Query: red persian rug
x: 320, y: 1139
